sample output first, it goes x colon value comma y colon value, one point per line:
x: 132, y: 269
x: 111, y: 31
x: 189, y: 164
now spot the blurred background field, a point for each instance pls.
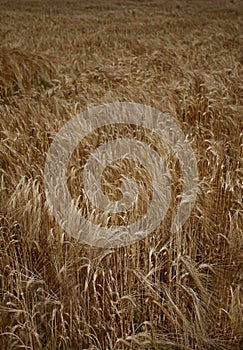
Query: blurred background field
x: 58, y: 58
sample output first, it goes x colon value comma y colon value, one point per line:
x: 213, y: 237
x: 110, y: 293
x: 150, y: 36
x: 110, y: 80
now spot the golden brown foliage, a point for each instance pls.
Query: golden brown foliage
x: 164, y: 292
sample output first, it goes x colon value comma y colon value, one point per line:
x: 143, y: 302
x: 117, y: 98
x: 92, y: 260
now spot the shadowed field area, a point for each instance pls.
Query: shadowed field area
x: 167, y: 291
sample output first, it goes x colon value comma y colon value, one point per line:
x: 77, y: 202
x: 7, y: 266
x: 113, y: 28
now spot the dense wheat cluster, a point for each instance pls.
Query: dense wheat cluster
x: 181, y: 291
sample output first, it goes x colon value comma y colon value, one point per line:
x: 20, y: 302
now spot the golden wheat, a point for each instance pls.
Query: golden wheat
x: 180, y: 291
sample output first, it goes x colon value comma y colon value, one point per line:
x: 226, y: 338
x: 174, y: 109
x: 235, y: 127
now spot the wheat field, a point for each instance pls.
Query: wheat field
x: 167, y: 291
